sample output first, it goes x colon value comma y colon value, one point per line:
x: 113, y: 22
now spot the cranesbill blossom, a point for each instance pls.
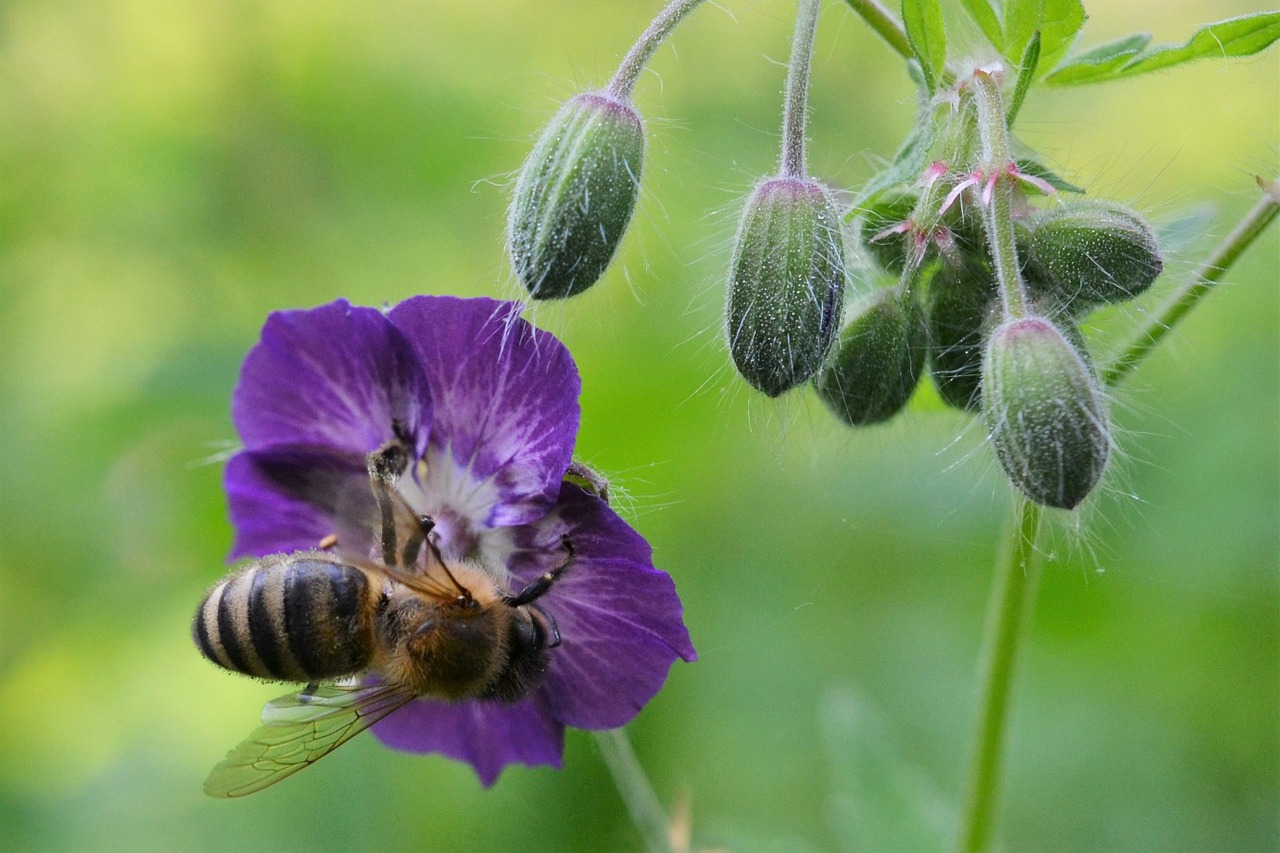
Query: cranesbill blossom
x: 489, y: 404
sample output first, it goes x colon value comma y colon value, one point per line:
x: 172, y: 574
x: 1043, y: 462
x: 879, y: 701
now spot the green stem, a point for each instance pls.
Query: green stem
x: 624, y: 80
x: 886, y: 26
x: 646, y: 811
x: 1009, y: 611
x: 1208, y: 274
x: 993, y: 127
x: 793, y: 119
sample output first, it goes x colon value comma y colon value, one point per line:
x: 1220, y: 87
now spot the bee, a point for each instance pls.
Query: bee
x: 419, y: 626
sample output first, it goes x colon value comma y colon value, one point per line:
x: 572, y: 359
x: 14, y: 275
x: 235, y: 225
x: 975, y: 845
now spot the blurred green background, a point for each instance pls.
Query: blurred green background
x: 171, y: 172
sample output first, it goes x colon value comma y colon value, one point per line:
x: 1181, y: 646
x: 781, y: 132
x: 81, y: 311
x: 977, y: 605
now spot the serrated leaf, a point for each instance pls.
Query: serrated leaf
x: 1098, y: 63
x: 1036, y: 169
x: 1060, y: 23
x: 1026, y: 73
x: 984, y: 14
x: 1057, y: 20
x: 1234, y: 37
x: 908, y: 164
x: 928, y: 39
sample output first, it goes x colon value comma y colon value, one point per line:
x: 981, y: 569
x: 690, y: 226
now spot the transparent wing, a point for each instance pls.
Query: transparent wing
x: 297, y: 731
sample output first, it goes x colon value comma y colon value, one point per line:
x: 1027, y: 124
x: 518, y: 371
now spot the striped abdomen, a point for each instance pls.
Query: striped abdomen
x: 291, y: 617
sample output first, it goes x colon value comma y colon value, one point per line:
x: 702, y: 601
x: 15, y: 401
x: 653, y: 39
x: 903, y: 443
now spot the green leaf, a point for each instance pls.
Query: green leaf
x: 1234, y: 37
x: 879, y: 800
x: 1100, y: 63
x: 1057, y: 20
x: 1026, y: 73
x: 923, y: 21
x: 908, y: 164
x: 985, y: 15
x: 1036, y: 169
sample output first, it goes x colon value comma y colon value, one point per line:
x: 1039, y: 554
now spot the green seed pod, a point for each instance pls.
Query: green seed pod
x: 575, y: 195
x: 786, y: 284
x: 876, y: 229
x: 961, y: 304
x: 878, y: 362
x: 1085, y: 254
x: 1044, y: 412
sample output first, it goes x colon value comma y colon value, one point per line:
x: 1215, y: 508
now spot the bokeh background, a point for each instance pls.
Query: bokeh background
x: 171, y: 172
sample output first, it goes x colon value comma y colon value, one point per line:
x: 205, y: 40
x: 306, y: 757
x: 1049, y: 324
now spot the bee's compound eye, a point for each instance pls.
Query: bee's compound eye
x: 527, y: 635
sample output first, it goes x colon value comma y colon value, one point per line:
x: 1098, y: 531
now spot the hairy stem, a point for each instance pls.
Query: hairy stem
x: 624, y: 80
x: 646, y: 811
x: 1009, y: 611
x: 793, y: 120
x: 885, y: 25
x: 993, y: 127
x: 1208, y: 274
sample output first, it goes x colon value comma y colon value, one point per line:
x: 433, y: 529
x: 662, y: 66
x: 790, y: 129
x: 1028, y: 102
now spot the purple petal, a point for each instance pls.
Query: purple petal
x: 335, y: 376
x: 619, y: 618
x: 286, y: 499
x: 506, y: 403
x: 486, y: 735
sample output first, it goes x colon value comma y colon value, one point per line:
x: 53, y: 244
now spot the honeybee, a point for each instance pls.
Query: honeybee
x: 420, y: 626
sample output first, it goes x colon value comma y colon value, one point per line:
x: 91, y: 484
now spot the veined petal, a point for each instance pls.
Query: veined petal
x: 487, y: 735
x: 286, y: 499
x: 505, y: 404
x: 620, y: 619
x: 337, y: 376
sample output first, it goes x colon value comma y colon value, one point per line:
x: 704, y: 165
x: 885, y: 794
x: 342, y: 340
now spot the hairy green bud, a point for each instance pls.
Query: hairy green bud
x: 575, y: 195
x: 878, y: 361
x: 961, y: 304
x: 1087, y: 253
x: 1045, y: 414
x: 786, y: 284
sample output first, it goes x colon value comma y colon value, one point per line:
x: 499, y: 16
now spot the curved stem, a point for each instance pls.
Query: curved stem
x: 886, y: 26
x: 1208, y: 274
x: 624, y: 80
x: 642, y: 803
x: 1009, y: 611
x: 793, y: 120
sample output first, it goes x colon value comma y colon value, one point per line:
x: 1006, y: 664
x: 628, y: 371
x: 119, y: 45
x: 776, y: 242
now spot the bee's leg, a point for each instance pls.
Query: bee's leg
x: 536, y: 588
x: 385, y: 466
x: 305, y: 695
x: 413, y: 542
x: 550, y: 630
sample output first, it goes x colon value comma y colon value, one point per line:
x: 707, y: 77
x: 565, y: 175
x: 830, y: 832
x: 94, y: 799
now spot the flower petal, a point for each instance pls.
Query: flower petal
x: 506, y: 403
x: 486, y: 735
x: 336, y: 376
x: 286, y: 499
x: 620, y: 619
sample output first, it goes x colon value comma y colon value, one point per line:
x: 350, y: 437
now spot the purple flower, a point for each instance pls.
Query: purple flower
x: 490, y: 404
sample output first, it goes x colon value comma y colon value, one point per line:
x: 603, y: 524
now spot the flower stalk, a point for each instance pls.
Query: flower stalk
x: 624, y: 79
x: 999, y: 175
x: 1203, y: 280
x: 637, y: 792
x: 793, y: 121
x: 885, y: 25
x: 1009, y: 611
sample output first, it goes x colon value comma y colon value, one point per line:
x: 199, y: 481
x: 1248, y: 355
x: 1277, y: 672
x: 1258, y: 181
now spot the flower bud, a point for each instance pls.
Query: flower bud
x: 1044, y: 412
x: 786, y: 284
x: 1085, y: 254
x: 961, y: 306
x: 878, y: 361
x: 575, y: 195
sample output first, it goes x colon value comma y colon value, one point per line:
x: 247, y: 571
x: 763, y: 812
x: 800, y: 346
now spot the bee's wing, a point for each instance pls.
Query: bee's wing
x: 298, y: 730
